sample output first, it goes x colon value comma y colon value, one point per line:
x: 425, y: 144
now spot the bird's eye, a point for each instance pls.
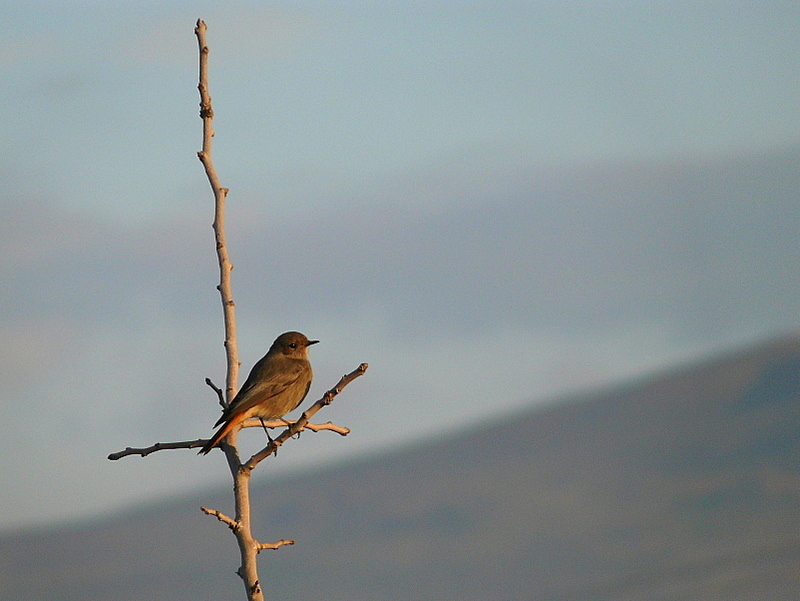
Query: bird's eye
x: 292, y: 345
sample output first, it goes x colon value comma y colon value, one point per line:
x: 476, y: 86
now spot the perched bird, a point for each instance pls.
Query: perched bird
x: 277, y: 384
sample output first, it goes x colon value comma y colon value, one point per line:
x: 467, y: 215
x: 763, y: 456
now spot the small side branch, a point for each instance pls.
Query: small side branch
x: 280, y: 423
x: 235, y: 526
x: 219, y: 392
x: 273, y: 546
x: 230, y: 522
x: 159, y: 446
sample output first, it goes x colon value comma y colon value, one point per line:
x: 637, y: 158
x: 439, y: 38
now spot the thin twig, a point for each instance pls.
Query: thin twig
x: 272, y: 546
x: 232, y: 524
x: 220, y: 395
x: 159, y: 446
x: 220, y: 193
x: 330, y: 426
x: 280, y: 423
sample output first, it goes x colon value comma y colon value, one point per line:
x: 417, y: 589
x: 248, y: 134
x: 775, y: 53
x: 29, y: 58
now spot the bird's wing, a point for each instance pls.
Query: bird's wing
x: 258, y: 390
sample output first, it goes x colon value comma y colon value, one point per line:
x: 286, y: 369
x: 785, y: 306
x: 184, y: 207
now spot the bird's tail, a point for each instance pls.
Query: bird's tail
x: 221, y: 433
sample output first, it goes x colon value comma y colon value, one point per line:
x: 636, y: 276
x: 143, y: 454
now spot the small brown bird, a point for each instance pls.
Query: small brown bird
x: 277, y: 384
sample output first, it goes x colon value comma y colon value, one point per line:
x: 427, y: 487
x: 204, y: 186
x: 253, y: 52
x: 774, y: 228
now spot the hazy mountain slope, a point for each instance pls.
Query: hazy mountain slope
x: 681, y: 486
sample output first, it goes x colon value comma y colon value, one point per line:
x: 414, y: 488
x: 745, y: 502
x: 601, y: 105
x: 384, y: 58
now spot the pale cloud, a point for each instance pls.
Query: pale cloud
x: 29, y: 345
x: 20, y: 49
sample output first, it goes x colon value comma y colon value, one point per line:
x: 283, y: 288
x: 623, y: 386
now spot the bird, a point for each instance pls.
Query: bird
x: 276, y: 385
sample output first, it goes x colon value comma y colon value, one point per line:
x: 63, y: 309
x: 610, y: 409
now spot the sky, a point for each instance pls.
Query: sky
x: 494, y: 204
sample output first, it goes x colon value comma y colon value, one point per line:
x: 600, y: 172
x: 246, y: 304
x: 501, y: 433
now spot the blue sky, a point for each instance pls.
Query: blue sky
x: 492, y: 203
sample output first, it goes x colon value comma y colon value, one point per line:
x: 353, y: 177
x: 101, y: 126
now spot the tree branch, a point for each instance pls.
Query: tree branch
x: 220, y: 395
x: 159, y: 446
x: 249, y: 547
x: 220, y: 193
x: 232, y: 524
x: 272, y: 546
x: 254, y: 422
x: 248, y: 570
x: 301, y: 423
x: 193, y: 444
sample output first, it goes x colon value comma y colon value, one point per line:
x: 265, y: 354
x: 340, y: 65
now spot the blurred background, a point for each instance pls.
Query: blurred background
x: 494, y: 204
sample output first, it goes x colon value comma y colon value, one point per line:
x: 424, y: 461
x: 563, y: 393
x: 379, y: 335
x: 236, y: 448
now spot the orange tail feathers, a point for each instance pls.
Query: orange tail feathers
x: 221, y: 433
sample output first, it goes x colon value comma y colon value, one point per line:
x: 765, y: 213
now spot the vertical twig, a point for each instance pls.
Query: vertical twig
x: 220, y: 193
x: 248, y: 546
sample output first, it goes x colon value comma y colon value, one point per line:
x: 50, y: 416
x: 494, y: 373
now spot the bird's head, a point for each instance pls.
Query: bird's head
x: 293, y: 344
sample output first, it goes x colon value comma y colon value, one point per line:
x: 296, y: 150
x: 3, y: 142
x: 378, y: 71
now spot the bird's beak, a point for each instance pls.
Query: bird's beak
x: 310, y: 342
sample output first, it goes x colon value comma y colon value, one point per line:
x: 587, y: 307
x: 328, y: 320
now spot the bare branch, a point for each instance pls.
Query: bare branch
x: 220, y: 193
x: 193, y: 444
x: 298, y: 426
x: 272, y: 546
x: 330, y: 426
x: 159, y: 446
x: 218, y: 390
x: 280, y: 423
x: 232, y: 524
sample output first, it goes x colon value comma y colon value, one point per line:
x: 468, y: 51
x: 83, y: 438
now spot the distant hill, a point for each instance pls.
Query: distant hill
x: 682, y: 486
